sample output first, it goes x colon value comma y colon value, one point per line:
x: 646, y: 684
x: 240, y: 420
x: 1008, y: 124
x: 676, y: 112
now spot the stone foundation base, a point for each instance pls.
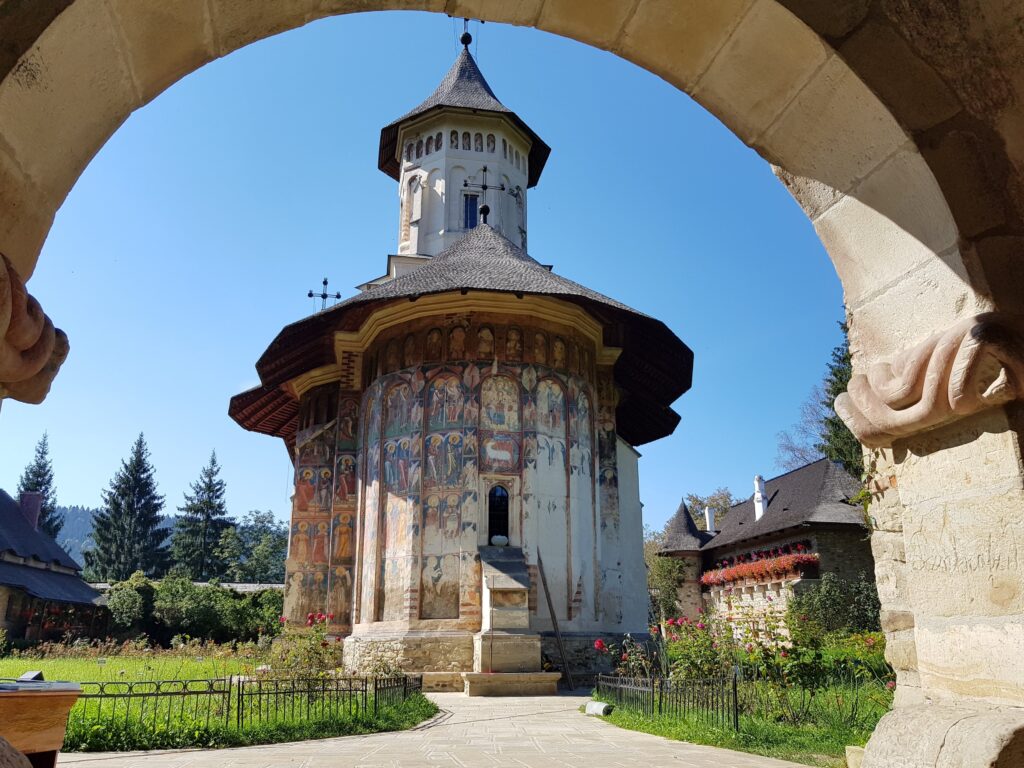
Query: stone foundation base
x: 442, y: 682
x: 511, y: 683
x: 412, y: 652
x: 584, y: 661
x: 947, y: 736
x: 506, y: 652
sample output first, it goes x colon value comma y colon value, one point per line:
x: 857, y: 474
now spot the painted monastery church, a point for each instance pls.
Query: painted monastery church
x: 464, y: 429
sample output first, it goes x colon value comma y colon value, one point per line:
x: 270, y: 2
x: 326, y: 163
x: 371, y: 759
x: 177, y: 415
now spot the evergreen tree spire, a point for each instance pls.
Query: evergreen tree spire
x: 837, y: 441
x: 38, y: 477
x: 126, y: 532
x: 203, y: 520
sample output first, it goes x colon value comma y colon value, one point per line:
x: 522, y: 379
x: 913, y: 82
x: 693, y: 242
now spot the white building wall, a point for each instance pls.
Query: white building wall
x: 443, y: 171
x: 631, y: 541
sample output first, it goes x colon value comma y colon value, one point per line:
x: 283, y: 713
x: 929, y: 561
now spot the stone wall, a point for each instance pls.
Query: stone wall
x: 410, y: 652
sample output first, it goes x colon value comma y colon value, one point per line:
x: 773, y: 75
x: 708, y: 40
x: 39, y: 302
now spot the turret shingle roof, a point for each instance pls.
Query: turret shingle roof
x: 464, y: 87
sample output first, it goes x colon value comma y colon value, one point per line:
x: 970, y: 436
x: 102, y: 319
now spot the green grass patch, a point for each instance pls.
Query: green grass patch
x: 808, y: 744
x: 117, y: 734
x: 128, y: 668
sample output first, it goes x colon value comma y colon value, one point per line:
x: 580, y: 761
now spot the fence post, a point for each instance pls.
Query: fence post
x: 735, y: 703
x: 661, y: 694
x: 405, y: 687
x: 375, y: 697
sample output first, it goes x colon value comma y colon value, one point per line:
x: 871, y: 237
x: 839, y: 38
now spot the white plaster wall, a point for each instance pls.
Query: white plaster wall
x: 631, y: 541
x: 443, y: 172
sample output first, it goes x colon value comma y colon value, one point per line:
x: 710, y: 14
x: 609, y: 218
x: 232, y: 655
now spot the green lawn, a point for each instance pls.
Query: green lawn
x: 807, y: 744
x: 162, y: 667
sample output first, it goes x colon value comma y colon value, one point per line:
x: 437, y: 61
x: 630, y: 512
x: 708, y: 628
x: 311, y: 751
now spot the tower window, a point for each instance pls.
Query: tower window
x: 504, y: 149
x: 454, y: 140
x: 419, y: 149
x: 470, y: 209
x: 490, y: 143
x: 465, y: 140
x: 497, y: 512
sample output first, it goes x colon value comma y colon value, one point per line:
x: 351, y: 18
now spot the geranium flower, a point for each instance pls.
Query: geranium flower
x: 890, y: 685
x: 700, y: 625
x: 625, y: 656
x: 599, y: 646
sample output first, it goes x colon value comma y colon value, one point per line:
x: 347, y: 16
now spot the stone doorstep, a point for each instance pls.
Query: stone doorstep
x: 511, y: 683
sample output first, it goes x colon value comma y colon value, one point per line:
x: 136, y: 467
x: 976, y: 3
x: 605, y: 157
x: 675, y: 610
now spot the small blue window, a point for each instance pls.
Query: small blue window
x: 469, y: 211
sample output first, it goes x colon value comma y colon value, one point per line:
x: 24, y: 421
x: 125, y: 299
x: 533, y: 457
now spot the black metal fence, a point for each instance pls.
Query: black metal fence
x: 714, y: 701
x: 237, y: 702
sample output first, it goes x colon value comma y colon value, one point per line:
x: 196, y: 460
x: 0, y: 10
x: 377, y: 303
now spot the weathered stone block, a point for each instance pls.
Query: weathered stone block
x: 737, y: 86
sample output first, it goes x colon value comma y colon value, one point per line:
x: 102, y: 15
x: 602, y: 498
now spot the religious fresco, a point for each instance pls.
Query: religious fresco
x: 445, y: 403
x: 305, y: 592
x: 439, y: 596
x: 342, y: 537
x: 581, y: 452
x: 443, y: 460
x: 499, y: 404
x: 430, y: 431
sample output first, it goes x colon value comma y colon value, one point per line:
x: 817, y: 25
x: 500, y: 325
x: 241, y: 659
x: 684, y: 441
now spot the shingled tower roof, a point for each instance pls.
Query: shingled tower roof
x: 464, y: 87
x: 682, y: 534
x: 654, y: 369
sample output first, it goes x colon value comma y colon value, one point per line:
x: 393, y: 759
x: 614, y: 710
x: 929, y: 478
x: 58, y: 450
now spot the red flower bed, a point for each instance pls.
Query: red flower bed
x: 760, y: 569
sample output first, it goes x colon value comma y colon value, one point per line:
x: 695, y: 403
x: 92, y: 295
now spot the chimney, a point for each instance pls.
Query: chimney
x: 709, y: 519
x: 760, y: 502
x: 31, y: 504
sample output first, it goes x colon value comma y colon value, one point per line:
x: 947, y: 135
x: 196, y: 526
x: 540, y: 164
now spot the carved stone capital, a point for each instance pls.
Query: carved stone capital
x: 31, y: 349
x: 976, y: 364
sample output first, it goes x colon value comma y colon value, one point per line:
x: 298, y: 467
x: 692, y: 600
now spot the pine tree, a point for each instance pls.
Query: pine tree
x: 194, y: 545
x: 837, y: 441
x: 820, y: 432
x: 126, y: 532
x: 38, y: 477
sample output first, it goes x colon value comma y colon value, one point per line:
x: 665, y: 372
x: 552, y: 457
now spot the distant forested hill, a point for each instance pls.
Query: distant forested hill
x: 77, y: 529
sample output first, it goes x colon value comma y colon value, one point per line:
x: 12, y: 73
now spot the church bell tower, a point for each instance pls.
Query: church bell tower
x: 460, y: 158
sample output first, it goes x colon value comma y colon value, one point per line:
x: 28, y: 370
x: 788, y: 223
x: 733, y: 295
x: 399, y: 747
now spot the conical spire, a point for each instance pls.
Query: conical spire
x: 463, y: 87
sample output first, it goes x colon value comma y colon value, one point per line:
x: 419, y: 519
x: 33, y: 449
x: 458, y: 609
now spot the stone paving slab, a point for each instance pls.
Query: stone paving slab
x: 514, y: 732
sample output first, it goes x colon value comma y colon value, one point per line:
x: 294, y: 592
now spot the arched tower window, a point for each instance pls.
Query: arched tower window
x: 408, y: 151
x: 419, y: 149
x: 438, y: 141
x: 465, y: 140
x: 490, y: 143
x: 430, y: 145
x: 497, y: 512
x: 478, y: 142
x: 454, y: 140
x: 504, y: 149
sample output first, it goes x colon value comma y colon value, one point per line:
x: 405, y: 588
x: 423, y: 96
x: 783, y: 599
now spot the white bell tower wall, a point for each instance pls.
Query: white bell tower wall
x: 439, y: 155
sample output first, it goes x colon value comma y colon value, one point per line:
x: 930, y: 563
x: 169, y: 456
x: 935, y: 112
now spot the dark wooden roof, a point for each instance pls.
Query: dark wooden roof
x: 654, y: 369
x: 464, y: 87
x: 818, y: 492
x: 21, y: 539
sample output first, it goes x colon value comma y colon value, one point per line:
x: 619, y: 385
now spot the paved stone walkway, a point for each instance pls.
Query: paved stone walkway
x: 520, y: 732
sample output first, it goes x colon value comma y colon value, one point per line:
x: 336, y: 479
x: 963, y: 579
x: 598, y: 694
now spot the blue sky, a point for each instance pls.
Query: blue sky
x: 195, y: 233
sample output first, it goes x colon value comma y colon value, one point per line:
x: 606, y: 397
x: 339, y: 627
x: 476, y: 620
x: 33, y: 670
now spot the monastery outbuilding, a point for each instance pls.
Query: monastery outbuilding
x: 793, y: 529
x: 463, y: 430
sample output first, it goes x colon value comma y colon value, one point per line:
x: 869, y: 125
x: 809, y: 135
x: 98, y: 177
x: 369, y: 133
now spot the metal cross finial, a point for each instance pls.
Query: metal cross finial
x: 323, y: 296
x: 483, y: 186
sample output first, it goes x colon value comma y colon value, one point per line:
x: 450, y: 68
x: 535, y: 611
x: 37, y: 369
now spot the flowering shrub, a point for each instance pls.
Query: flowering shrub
x: 698, y: 649
x: 761, y: 569
x: 310, y: 651
x: 632, y: 659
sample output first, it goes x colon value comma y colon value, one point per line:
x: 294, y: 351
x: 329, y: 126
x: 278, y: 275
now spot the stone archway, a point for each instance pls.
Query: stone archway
x: 895, y: 125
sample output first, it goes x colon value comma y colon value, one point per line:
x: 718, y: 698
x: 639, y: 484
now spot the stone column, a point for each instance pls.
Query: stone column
x: 943, y: 426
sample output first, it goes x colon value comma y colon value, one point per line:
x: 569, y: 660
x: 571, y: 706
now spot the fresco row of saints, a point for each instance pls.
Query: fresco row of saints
x: 461, y: 343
